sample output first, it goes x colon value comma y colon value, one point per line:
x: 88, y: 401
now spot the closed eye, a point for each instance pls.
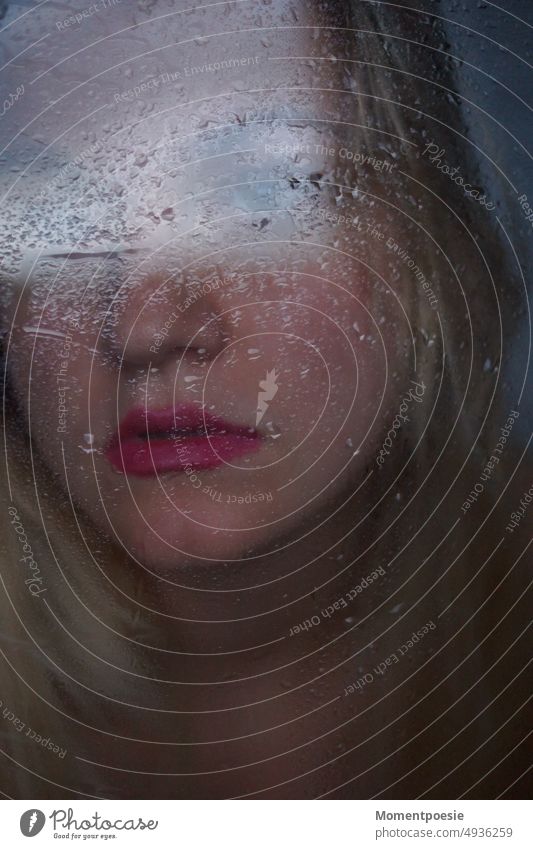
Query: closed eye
x: 112, y: 254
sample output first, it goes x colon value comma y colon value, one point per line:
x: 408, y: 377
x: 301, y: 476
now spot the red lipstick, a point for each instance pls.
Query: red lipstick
x: 152, y: 442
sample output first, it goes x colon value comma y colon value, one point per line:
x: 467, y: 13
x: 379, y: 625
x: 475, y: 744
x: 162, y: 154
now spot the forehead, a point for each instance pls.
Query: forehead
x: 90, y: 47
x: 111, y: 99
x: 77, y: 72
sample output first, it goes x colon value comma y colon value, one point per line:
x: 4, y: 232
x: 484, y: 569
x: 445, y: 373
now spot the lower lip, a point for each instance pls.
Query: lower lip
x: 143, y: 458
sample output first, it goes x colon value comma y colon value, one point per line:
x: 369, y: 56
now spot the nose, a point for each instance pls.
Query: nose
x: 156, y: 317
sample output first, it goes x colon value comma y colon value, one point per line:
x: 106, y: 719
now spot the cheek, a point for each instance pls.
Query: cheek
x: 48, y: 366
x: 327, y: 345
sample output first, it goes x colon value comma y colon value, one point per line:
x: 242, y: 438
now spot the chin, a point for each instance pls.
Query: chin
x: 163, y: 539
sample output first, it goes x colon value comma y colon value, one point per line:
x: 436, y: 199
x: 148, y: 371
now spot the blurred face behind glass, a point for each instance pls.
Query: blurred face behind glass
x: 180, y: 252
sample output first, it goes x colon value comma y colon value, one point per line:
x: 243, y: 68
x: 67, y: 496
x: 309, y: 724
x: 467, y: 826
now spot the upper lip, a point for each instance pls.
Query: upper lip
x: 184, y: 420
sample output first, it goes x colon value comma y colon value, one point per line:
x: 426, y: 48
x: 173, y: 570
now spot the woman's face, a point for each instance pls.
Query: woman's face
x: 196, y: 338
